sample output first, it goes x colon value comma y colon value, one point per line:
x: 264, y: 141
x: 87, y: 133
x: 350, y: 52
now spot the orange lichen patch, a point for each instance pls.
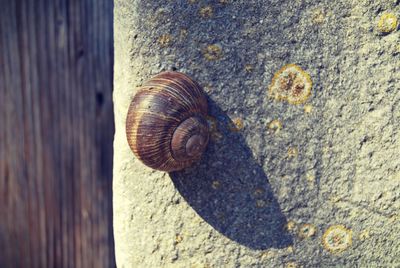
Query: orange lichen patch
x: 164, y: 40
x: 387, y: 23
x: 236, y: 125
x: 308, y: 108
x: 206, y: 12
x: 248, y: 68
x: 212, y: 52
x: 275, y: 125
x: 215, y: 185
x: 292, y: 84
x: 307, y: 230
x: 337, y: 239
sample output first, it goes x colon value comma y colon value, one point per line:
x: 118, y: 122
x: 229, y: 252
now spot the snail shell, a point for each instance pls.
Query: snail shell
x: 166, y: 126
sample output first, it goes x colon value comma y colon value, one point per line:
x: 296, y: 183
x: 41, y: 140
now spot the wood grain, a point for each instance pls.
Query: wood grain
x: 56, y: 132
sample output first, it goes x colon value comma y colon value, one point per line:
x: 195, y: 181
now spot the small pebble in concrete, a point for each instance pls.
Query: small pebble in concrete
x: 307, y: 230
x: 178, y: 238
x: 216, y: 184
x: 337, y: 238
x: 248, y: 68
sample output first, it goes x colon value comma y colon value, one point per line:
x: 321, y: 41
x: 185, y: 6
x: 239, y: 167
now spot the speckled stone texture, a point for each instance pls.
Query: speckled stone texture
x: 331, y: 161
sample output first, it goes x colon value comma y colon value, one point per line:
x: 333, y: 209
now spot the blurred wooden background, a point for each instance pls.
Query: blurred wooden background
x: 56, y: 133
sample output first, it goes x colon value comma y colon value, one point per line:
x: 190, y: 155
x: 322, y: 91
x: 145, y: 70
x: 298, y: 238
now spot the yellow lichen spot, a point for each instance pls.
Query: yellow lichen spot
x: 337, y: 238
x: 164, y: 40
x: 293, y: 152
x: 212, y: 52
x: 275, y: 125
x: 260, y: 203
x: 290, y: 225
x: 178, y: 238
x: 364, y: 235
x: 215, y: 185
x: 292, y: 84
x: 248, y: 68
x: 307, y: 230
x: 291, y: 265
x: 318, y: 16
x: 206, y: 12
x: 308, y: 108
x: 387, y: 23
x: 236, y: 125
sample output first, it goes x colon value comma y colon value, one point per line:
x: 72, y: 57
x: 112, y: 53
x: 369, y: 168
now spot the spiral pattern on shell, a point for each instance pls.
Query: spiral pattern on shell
x: 165, y: 126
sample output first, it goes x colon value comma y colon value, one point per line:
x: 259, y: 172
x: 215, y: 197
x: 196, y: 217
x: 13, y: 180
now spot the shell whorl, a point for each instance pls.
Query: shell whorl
x: 165, y: 125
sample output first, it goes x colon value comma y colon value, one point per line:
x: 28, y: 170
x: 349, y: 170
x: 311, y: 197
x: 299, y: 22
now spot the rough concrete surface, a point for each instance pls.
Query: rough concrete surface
x: 333, y: 161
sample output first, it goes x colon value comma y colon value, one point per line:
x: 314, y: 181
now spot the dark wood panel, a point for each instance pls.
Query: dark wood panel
x: 56, y: 133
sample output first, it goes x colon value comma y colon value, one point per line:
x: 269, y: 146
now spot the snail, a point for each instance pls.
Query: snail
x: 166, y: 125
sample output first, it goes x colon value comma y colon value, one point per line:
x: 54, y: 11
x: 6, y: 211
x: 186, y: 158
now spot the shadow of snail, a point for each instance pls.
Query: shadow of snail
x: 228, y: 188
x: 231, y: 192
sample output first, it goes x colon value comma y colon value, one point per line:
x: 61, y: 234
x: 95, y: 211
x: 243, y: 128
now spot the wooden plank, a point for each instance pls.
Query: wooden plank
x: 56, y: 133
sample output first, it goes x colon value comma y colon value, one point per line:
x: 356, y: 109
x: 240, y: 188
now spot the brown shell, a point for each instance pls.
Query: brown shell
x: 158, y: 108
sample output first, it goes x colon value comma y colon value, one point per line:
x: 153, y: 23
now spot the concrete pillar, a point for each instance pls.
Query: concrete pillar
x: 306, y: 180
